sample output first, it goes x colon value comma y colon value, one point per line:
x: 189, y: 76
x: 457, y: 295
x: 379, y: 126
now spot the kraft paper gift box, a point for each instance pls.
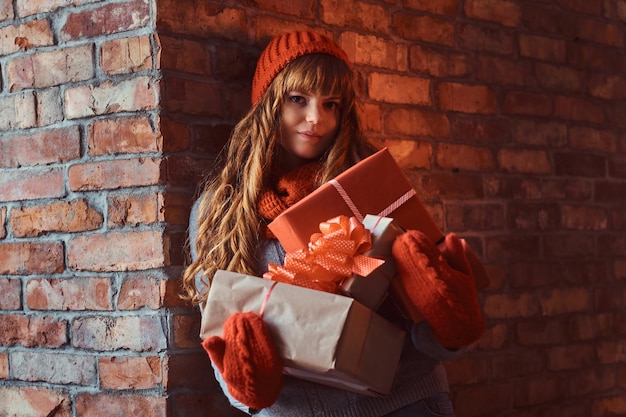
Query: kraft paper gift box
x: 376, y: 185
x: 322, y: 337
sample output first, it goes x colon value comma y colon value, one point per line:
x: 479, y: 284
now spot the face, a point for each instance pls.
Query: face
x: 309, y: 125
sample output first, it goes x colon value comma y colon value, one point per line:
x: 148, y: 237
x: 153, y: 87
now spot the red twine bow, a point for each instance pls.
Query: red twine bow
x: 332, y: 255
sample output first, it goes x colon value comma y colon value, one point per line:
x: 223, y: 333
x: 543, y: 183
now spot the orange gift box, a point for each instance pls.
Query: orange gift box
x: 376, y: 185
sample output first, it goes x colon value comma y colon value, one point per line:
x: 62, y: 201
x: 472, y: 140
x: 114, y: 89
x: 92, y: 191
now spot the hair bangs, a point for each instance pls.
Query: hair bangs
x: 320, y: 73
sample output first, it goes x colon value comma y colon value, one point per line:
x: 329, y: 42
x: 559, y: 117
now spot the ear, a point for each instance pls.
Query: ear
x: 215, y: 346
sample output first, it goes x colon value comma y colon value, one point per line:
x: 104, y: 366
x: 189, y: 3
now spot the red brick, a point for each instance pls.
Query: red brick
x: 539, y: 390
x: 355, y: 14
x: 399, y: 89
x: 589, y: 326
x: 609, y: 298
x: 443, y: 7
x: 540, y: 332
x: 486, y: 39
x: 466, y: 98
x: 129, y: 95
x: 101, y: 333
x: 585, y: 272
x: 601, y: 32
x: 593, y: 139
x: 112, y: 174
x: 176, y: 136
x: 374, y: 51
x: 35, y: 402
x: 76, y: 293
x: 34, y: 33
x: 513, y: 247
x: 134, y: 210
x: 141, y: 291
x: 3, y: 222
x: 118, y: 251
x: 210, y: 20
x: 6, y: 10
x: 17, y: 111
x: 31, y: 258
x: 498, y: 306
x: 432, y: 62
x: 40, y: 148
x: 494, y: 338
x: 579, y: 164
x: 534, y: 274
x: 558, y: 77
x: 186, y: 330
x: 189, y: 97
x: 505, y: 12
x: 478, y: 400
x: 547, y: 134
x: 126, y: 55
x: 105, y: 20
x: 30, y: 7
x: 49, y: 106
x: 423, y: 28
x: 591, y: 381
x: 618, y: 219
x: 175, y: 208
x: 54, y: 368
x: 464, y: 157
x: 610, y: 192
x: 542, y: 47
x: 416, y: 122
x: 584, y: 218
x: 524, y: 160
x: 189, y: 371
x: 549, y: 18
x: 499, y: 71
x: 611, y: 244
x: 582, y: 6
x: 4, y: 366
x: 122, y: 135
x: 450, y: 186
x: 617, y: 166
x: 470, y: 129
x: 518, y: 364
x: 474, y: 217
x: 32, y: 331
x: 467, y: 370
x: 589, y: 56
x: 71, y: 216
x: 129, y: 372
x: 568, y: 246
x: 564, y: 301
x: 610, y: 87
x: 577, y: 109
x: 107, y: 405
x: 46, y: 69
x: 185, y: 55
x: 525, y: 103
x: 10, y: 294
x: 611, y: 351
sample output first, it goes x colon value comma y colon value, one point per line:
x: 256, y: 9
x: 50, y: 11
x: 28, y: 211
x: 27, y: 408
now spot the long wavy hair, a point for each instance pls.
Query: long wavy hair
x: 228, y: 221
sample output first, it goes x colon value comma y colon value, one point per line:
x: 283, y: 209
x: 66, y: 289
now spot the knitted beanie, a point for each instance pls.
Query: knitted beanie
x: 446, y: 297
x: 248, y: 360
x: 285, y: 48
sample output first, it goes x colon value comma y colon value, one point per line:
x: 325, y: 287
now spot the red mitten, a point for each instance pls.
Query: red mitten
x: 445, y: 296
x: 461, y: 257
x: 248, y: 360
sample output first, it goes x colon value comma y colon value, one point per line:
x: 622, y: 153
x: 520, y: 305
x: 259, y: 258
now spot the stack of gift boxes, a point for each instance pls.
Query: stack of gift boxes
x: 334, y: 337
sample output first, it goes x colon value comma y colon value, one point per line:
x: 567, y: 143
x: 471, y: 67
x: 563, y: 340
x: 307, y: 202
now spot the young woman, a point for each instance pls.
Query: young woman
x: 301, y: 131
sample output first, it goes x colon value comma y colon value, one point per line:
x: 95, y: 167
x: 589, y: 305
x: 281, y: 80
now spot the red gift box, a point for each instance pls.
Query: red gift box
x: 376, y: 185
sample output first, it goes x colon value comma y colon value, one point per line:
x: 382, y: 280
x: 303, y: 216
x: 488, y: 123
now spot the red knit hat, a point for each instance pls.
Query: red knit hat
x: 285, y: 48
x: 248, y: 360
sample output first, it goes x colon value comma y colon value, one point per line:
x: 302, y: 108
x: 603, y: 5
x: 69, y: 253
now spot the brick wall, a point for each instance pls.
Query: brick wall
x: 509, y: 116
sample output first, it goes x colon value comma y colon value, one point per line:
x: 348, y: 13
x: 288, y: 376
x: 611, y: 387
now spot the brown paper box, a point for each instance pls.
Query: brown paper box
x: 325, y: 338
x: 373, y: 184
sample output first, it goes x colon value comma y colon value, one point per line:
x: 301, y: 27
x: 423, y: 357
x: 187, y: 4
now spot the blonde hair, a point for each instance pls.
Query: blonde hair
x: 228, y: 221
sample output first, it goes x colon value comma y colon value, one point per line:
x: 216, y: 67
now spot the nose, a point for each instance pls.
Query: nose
x: 314, y: 113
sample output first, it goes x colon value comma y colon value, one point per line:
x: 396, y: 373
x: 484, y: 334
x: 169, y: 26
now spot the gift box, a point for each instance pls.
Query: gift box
x: 322, y: 337
x: 372, y: 289
x: 376, y: 185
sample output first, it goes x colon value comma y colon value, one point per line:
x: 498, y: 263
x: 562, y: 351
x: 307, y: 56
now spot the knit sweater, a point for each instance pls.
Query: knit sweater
x: 420, y: 372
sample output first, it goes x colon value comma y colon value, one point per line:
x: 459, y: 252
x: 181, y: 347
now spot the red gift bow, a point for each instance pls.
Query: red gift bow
x: 332, y: 255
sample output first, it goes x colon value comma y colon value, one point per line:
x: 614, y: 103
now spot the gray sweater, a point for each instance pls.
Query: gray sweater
x: 420, y: 373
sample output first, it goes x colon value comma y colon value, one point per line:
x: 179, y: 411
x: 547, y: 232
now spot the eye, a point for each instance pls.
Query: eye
x: 331, y: 105
x: 297, y: 99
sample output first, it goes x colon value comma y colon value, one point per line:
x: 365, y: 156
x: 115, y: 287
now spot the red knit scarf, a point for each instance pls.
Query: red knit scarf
x: 289, y: 189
